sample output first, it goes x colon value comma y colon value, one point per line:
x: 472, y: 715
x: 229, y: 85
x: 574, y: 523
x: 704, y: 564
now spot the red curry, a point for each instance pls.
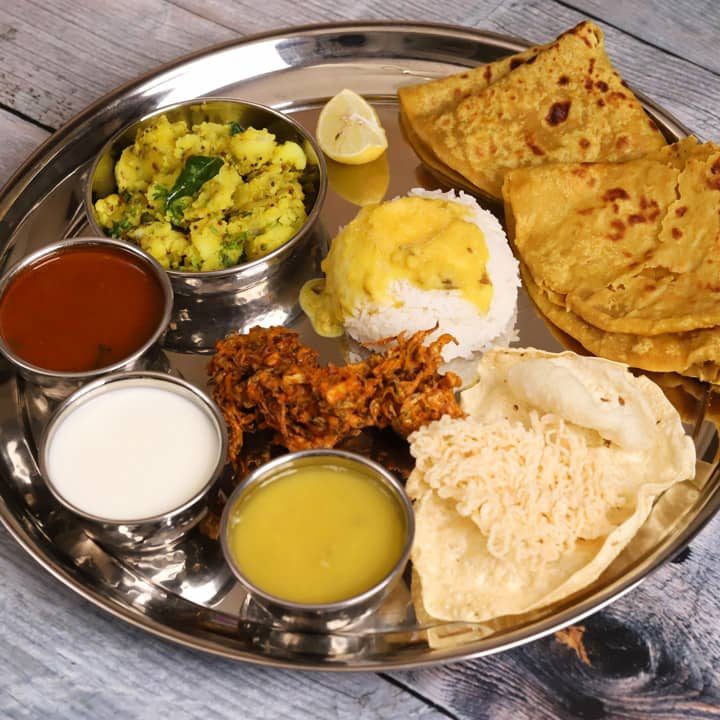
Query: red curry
x: 81, y: 309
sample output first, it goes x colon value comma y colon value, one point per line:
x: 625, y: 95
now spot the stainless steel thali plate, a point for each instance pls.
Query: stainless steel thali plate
x: 188, y: 595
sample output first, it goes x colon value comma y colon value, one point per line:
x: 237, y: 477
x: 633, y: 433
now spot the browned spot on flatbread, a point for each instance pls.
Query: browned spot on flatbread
x: 651, y: 205
x: 584, y: 143
x: 615, y: 194
x: 676, y: 233
x: 714, y: 182
x: 681, y: 210
x: 602, y: 86
x: 619, y: 230
x: 572, y: 637
x: 535, y: 149
x: 487, y: 72
x: 563, y: 80
x: 558, y: 112
x: 635, y: 219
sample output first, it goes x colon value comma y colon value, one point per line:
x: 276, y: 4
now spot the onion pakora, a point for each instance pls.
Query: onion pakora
x: 267, y: 379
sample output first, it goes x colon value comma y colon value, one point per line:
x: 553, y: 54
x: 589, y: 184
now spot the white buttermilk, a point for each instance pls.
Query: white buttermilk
x: 132, y: 453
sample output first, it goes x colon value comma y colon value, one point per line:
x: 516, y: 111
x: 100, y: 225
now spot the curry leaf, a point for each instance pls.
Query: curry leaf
x: 197, y: 171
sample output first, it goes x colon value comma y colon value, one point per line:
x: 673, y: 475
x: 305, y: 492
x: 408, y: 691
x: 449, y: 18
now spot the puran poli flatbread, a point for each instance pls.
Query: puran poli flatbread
x: 695, y: 353
x: 444, y: 173
x: 503, y: 527
x: 561, y: 102
x: 629, y: 248
x: 419, y: 104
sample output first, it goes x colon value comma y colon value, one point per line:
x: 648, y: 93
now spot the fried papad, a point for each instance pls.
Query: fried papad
x: 530, y: 498
x: 561, y: 102
x: 629, y: 248
x: 695, y: 353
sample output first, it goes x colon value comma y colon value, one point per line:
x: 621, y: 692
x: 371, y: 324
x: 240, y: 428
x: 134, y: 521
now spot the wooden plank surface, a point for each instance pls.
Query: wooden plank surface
x: 655, y: 653
x: 63, y: 659
x: 19, y: 139
x: 684, y: 28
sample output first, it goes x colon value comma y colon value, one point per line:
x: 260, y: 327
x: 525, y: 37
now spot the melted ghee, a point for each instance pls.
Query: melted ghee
x: 317, y: 534
x: 431, y: 243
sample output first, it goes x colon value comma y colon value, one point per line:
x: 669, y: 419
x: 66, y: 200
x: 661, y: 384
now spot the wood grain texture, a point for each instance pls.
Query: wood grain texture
x: 655, y: 653
x: 63, y: 659
x: 685, y: 28
x: 49, y: 80
x: 689, y: 92
x: 20, y: 138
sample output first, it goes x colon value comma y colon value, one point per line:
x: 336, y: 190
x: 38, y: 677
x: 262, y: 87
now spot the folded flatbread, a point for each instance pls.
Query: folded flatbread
x: 629, y: 248
x: 695, y: 353
x: 561, y: 102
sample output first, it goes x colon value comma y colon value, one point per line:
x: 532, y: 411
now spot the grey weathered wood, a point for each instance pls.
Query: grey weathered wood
x: 63, y: 659
x: 654, y: 653
x: 19, y: 139
x: 683, y: 88
x: 50, y: 80
x: 685, y: 27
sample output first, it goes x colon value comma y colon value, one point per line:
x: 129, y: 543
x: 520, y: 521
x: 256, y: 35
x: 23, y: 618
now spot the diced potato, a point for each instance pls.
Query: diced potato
x: 207, y: 238
x: 216, y: 196
x: 292, y: 155
x: 272, y: 238
x: 175, y: 203
x: 109, y: 210
x: 166, y: 245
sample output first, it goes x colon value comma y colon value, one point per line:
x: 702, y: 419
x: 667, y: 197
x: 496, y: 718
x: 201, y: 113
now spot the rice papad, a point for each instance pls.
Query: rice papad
x: 629, y: 248
x: 517, y: 507
x: 560, y: 102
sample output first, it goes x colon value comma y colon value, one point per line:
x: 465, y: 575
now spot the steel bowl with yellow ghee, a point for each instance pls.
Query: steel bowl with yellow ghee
x: 318, y: 530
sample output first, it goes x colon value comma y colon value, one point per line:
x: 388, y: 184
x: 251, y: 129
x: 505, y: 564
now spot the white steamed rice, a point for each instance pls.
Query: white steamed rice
x: 414, y: 309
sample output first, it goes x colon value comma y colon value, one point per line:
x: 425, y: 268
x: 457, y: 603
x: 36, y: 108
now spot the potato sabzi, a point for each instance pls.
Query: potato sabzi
x: 207, y: 197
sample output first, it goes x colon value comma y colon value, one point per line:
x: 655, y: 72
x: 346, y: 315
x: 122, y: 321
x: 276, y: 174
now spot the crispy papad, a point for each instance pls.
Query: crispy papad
x: 561, y: 102
x: 629, y: 248
x: 695, y: 353
x: 529, y: 499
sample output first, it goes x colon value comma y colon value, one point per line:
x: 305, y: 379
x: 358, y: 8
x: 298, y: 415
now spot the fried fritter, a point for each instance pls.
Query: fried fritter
x: 267, y: 379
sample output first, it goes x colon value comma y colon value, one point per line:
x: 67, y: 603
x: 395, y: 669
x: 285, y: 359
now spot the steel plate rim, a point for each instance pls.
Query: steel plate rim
x: 17, y: 183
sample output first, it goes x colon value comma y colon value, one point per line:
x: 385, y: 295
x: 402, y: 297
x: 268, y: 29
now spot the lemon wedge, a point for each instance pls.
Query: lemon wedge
x: 349, y: 130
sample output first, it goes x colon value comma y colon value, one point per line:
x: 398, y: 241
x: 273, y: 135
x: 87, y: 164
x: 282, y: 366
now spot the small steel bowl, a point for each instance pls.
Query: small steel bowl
x: 318, y: 617
x: 148, y: 534
x: 264, y: 288
x: 56, y: 384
